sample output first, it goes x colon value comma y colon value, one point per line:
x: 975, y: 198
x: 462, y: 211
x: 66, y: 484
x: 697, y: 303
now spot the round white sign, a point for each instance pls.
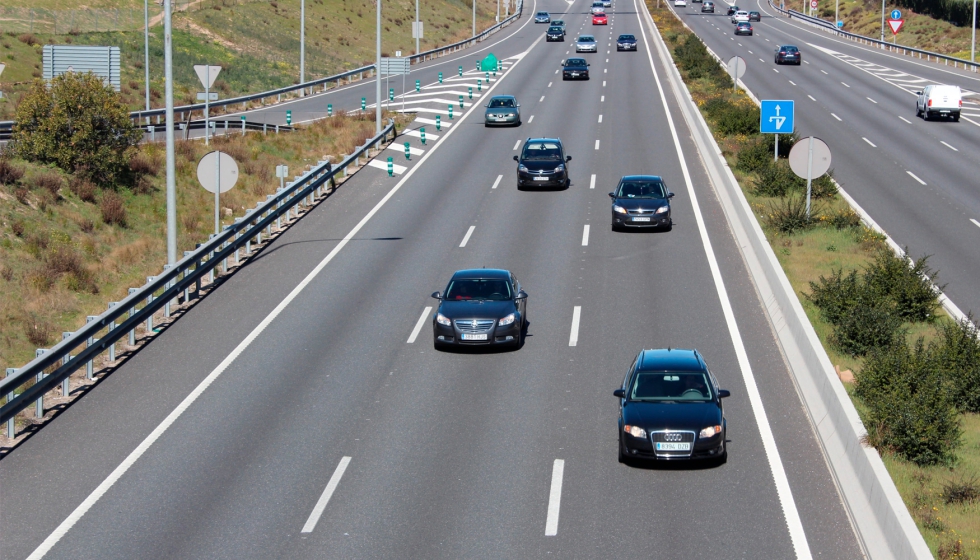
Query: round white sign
x: 217, y: 169
x: 799, y: 157
x: 736, y: 67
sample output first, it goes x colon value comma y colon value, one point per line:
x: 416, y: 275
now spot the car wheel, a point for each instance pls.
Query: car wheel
x: 956, y: 117
x: 623, y: 457
x: 925, y: 115
x: 918, y: 113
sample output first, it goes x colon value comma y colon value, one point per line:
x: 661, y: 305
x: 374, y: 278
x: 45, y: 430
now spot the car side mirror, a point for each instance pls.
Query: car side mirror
x: 612, y: 195
x: 670, y: 195
x: 518, y: 105
x: 516, y: 158
x: 619, y: 393
x: 723, y: 393
x: 568, y: 158
x: 437, y: 295
x: 522, y: 295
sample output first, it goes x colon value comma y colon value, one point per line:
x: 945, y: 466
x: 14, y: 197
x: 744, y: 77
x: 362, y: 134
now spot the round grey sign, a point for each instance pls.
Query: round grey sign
x: 799, y: 157
x: 736, y: 67
x: 217, y: 169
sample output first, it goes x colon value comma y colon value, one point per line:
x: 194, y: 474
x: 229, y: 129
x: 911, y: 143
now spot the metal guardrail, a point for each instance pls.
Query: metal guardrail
x: 101, y: 333
x: 829, y: 26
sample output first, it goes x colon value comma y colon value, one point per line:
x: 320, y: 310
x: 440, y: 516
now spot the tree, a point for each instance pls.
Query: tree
x: 78, y: 124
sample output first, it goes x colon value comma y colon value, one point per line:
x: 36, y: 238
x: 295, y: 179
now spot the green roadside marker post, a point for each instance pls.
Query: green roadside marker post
x: 488, y: 77
x: 391, y: 168
x: 460, y: 101
x: 440, y: 77
x: 500, y: 66
x: 243, y: 125
x: 477, y: 65
x: 461, y: 71
x: 364, y: 103
x: 450, y: 112
x: 408, y: 151
x: 289, y: 117
x: 329, y: 109
x: 422, y: 135
x: 471, y: 92
x: 391, y: 94
x: 418, y: 86
x: 439, y: 122
x: 479, y: 85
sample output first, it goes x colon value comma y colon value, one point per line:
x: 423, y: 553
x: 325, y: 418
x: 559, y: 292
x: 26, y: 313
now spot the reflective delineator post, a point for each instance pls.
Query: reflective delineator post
x: 471, y: 92
x: 329, y: 109
x: 418, y: 86
x: 460, y: 101
x: 391, y: 94
x: 479, y: 85
x: 439, y: 121
x: 487, y: 76
x: 391, y: 168
x: 364, y: 103
x: 461, y: 71
x: 408, y: 151
x: 289, y: 117
x: 440, y: 77
x: 450, y: 112
x: 422, y: 135
x: 243, y: 125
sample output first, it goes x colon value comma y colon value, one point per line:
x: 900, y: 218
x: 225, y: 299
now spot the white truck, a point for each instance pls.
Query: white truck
x: 939, y: 101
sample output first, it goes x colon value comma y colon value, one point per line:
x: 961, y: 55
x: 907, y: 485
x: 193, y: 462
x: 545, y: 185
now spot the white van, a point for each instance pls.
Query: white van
x: 598, y: 7
x: 938, y: 100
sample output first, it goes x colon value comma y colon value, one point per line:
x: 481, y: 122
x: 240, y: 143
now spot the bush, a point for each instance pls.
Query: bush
x: 142, y: 165
x: 112, y: 208
x: 956, y: 352
x: 909, y: 284
x: 775, y: 179
x: 739, y: 118
x: 844, y: 219
x: 50, y: 182
x: 9, y: 173
x: 692, y: 57
x: 79, y: 124
x: 788, y: 215
x: 836, y: 296
x: 868, y: 327
x: 755, y: 154
x: 83, y: 188
x: 909, y: 407
x: 961, y: 491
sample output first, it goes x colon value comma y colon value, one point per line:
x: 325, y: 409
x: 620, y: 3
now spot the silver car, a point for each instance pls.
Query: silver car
x: 542, y: 17
x: 586, y: 43
x: 502, y: 109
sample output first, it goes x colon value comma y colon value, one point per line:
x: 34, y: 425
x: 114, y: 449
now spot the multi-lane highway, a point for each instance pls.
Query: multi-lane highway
x: 916, y: 178
x: 300, y: 411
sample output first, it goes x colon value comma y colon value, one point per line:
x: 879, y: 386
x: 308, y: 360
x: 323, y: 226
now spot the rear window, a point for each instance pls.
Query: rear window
x: 789, y: 49
x: 554, y: 29
x: 543, y: 14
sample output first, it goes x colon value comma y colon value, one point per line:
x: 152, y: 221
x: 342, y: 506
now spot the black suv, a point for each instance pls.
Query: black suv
x: 542, y: 163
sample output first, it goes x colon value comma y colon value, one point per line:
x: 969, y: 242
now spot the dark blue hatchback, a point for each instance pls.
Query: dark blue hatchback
x: 641, y: 201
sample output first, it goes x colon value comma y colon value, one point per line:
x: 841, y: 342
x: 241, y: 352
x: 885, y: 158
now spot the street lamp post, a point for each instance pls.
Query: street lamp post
x: 168, y: 72
x: 417, y: 51
x: 882, y: 20
x: 377, y: 76
x: 146, y: 53
x: 498, y: 11
x: 474, y: 18
x: 973, y: 38
x: 302, y: 41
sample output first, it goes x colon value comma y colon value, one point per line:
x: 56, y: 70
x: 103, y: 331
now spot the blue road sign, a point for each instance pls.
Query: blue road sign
x: 896, y: 14
x: 840, y: 24
x: 776, y: 117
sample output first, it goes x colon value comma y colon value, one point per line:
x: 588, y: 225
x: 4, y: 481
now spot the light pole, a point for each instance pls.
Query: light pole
x: 302, y: 41
x: 168, y: 72
x: 377, y: 76
x: 146, y: 52
x: 973, y: 39
x: 836, y: 12
x: 417, y: 51
x: 882, y: 20
x: 498, y: 11
x: 474, y: 18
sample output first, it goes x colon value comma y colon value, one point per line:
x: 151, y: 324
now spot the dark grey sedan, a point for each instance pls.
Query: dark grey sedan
x: 502, y: 109
x: 482, y: 307
x: 641, y: 201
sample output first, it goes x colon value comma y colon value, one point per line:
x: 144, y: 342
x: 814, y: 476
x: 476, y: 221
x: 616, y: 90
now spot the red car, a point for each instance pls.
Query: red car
x: 599, y: 19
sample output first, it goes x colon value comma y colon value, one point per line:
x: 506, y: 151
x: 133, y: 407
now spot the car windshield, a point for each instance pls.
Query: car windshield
x: 554, y: 29
x: 542, y: 14
x: 575, y: 62
x: 542, y: 150
x: 586, y: 39
x: 678, y: 387
x: 497, y: 102
x: 478, y: 290
x: 642, y: 189
x: 627, y: 38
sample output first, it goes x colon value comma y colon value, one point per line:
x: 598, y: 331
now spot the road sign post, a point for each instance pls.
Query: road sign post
x: 809, y: 158
x: 207, y: 75
x: 736, y: 69
x: 422, y: 135
x: 895, y: 24
x: 776, y: 117
x: 217, y: 173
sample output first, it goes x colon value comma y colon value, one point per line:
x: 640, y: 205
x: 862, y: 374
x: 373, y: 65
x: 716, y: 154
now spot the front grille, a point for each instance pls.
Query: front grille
x: 672, y: 436
x: 642, y: 212
x: 474, y: 325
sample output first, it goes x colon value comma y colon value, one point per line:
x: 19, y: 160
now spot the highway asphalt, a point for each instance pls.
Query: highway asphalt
x: 917, y: 179
x: 294, y: 412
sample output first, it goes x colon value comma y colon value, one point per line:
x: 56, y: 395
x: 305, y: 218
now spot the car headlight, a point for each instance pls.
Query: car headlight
x: 710, y: 431
x: 560, y: 168
x: 506, y: 320
x: 443, y: 320
x: 663, y: 209
x: 618, y: 209
x: 522, y: 168
x: 635, y: 431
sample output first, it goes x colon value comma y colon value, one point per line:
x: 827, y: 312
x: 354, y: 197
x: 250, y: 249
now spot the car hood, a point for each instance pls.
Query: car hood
x: 638, y: 203
x: 541, y: 164
x: 476, y: 309
x: 653, y: 416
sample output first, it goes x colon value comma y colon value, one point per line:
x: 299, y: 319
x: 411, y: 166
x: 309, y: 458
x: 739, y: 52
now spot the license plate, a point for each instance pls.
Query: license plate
x: 540, y: 178
x: 671, y: 446
x: 474, y: 336
x: 575, y: 74
x: 637, y: 219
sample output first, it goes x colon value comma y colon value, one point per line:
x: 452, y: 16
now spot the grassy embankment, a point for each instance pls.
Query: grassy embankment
x: 943, y: 499
x: 255, y: 42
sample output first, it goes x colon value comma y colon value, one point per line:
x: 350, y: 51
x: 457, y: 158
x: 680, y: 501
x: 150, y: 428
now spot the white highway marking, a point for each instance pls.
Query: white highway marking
x: 921, y: 182
x: 835, y: 116
x: 466, y: 237
x: 417, y: 134
x: 573, y: 335
x: 750, y: 52
x: 604, y: 70
x: 321, y: 504
x: 760, y: 60
x: 383, y: 165
x: 811, y: 97
x: 540, y: 100
x: 554, y: 497
x: 597, y: 144
x: 424, y: 120
x: 872, y: 100
x: 401, y: 149
x: 607, y: 60
x: 948, y: 146
x: 592, y: 182
x: 549, y: 84
x: 845, y: 85
x: 602, y: 99
x: 825, y: 72
x: 976, y: 223
x: 775, y: 70
x: 585, y: 236
x: 419, y: 324
x: 904, y: 119
x: 806, y: 62
x: 497, y: 182
x: 531, y: 120
x: 783, y: 490
x: 603, y: 83
x: 792, y: 82
x: 600, y: 118
x: 517, y: 144
x: 556, y: 71
x: 870, y: 143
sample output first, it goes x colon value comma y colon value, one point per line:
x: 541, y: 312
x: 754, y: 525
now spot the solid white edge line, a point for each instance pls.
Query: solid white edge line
x: 585, y: 236
x: 916, y: 177
x: 783, y: 490
x: 62, y: 529
x: 497, y: 182
x: 554, y: 498
x: 466, y: 237
x: 321, y: 504
x: 576, y: 317
x: 419, y: 324
x: 592, y: 182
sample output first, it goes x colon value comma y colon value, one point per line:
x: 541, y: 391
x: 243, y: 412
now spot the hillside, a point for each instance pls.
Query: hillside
x: 256, y: 42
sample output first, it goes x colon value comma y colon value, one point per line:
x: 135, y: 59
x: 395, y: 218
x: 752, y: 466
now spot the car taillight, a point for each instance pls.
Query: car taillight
x: 961, y: 102
x: 930, y: 103
x: 782, y: 52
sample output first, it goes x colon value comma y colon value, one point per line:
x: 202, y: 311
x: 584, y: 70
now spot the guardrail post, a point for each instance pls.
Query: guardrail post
x: 197, y: 264
x: 149, y: 300
x: 237, y: 235
x: 65, y: 385
x: 265, y: 127
x: 11, y: 429
x: 39, y: 404
x: 277, y: 129
x: 89, y: 366
x: 132, y: 311
x: 166, y: 306
x: 112, y: 327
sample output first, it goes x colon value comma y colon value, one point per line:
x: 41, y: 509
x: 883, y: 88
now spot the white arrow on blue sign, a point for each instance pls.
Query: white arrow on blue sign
x: 776, y: 117
x: 896, y: 14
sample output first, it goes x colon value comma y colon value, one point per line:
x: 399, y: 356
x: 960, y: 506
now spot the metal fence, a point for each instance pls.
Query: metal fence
x: 52, y: 367
x: 884, y: 45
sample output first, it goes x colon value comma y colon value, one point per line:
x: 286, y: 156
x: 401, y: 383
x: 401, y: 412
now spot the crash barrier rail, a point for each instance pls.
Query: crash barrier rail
x: 885, y: 45
x: 218, y: 127
x: 308, y: 87
x: 53, y: 366
x: 883, y: 524
x: 6, y: 130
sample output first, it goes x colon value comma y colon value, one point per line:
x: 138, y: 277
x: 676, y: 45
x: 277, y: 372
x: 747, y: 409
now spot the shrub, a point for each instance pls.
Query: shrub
x: 961, y: 491
x: 142, y: 164
x: 9, y: 173
x: 755, y: 154
x: 693, y: 58
x: 909, y: 406
x: 50, y: 182
x: 823, y: 187
x: 956, y: 352
x: 739, y: 118
x: 844, y: 219
x: 868, y: 327
x: 37, y: 330
x: 835, y: 296
x: 788, y: 215
x: 83, y: 188
x: 28, y: 39
x: 112, y: 208
x: 775, y: 179
x: 909, y: 284
x: 79, y: 124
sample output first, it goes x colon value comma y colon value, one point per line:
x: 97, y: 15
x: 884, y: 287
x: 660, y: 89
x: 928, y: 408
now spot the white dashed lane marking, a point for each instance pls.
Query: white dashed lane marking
x: 419, y: 325
x: 913, y: 175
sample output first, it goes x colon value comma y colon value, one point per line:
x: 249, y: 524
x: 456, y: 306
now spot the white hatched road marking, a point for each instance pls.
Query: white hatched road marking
x: 418, y: 325
x: 383, y: 165
x: 592, y: 182
x: 417, y: 134
x: 401, y: 148
x: 321, y: 504
x: 576, y: 317
x: 466, y: 237
x: 585, y: 236
x: 424, y: 120
x: 914, y: 176
x: 497, y: 182
x: 554, y: 498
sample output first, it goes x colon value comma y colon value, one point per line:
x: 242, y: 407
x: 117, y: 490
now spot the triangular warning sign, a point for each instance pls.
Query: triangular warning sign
x: 896, y: 25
